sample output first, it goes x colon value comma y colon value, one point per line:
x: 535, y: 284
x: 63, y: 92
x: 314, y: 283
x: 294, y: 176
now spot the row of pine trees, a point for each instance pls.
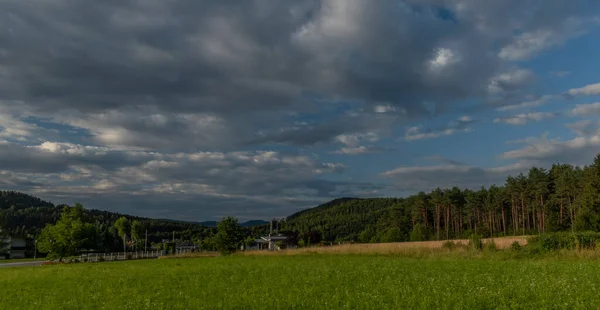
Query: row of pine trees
x: 562, y: 198
x: 565, y: 197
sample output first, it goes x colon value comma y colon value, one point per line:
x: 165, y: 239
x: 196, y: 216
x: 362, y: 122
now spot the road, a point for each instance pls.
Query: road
x: 21, y: 264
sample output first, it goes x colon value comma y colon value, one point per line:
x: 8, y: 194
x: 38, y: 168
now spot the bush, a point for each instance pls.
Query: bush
x: 448, y: 245
x: 418, y: 233
x: 566, y: 240
x: 491, y: 246
x: 515, y: 246
x: 475, y: 242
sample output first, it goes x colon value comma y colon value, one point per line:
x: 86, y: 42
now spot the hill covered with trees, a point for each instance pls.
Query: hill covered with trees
x: 563, y: 198
x: 25, y: 215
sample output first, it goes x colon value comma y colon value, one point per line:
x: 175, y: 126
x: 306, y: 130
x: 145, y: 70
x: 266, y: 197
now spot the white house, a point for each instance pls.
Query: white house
x: 15, y: 248
x: 272, y: 241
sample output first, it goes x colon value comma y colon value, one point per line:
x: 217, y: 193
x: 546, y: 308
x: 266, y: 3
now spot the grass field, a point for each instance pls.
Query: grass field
x: 317, y: 281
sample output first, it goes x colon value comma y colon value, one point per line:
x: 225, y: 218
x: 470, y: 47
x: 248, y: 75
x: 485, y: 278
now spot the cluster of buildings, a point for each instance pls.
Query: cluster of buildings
x: 272, y: 242
x: 15, y: 247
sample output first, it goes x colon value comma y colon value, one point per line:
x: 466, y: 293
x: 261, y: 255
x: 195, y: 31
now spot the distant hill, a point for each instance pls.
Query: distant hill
x: 244, y: 224
x: 23, y: 214
x: 19, y: 201
x: 321, y: 207
x: 255, y: 223
x: 341, y: 219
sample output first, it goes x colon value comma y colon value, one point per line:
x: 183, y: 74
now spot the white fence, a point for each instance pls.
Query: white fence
x: 101, y: 257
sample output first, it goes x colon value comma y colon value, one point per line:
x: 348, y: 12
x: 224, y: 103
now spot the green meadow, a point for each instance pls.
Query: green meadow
x: 316, y: 281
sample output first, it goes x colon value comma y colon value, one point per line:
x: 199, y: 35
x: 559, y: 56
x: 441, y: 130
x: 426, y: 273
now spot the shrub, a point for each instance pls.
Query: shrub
x: 515, y: 246
x: 491, y: 246
x: 475, y: 242
x: 587, y: 239
x: 418, y: 233
x: 448, y: 245
x: 566, y: 240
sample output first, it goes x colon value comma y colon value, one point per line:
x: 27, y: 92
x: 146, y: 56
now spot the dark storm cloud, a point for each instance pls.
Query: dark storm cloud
x: 58, y: 157
x: 240, y: 56
x: 155, y: 85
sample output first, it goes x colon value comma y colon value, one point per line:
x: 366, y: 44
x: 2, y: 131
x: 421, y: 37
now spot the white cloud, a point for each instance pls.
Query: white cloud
x: 384, y: 109
x: 510, y: 80
x: 560, y: 74
x: 462, y: 124
x: 442, y: 59
x: 544, y: 152
x: 427, y: 178
x: 588, y: 90
x: 353, y: 150
x: 522, y: 119
x: 586, y: 109
x: 528, y: 104
x: 355, y: 139
x: 530, y: 43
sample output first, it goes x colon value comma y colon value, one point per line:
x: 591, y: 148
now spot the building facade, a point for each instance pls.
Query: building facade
x: 15, y: 248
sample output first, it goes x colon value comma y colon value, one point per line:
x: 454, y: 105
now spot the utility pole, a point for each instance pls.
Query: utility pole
x: 146, y: 242
x: 173, y: 236
x: 35, y: 249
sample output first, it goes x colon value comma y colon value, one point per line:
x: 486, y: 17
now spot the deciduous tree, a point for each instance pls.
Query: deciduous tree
x: 229, y: 236
x: 68, y: 236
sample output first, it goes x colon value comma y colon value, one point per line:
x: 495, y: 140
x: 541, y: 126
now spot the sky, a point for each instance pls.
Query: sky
x: 195, y: 110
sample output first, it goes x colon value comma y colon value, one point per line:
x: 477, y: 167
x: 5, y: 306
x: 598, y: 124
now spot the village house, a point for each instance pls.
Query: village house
x: 14, y: 249
x: 269, y: 243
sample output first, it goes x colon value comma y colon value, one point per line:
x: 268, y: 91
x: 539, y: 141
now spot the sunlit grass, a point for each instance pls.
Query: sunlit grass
x: 306, y: 282
x: 412, y: 249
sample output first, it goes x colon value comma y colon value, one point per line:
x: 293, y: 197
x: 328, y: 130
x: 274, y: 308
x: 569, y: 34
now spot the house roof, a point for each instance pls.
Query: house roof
x: 274, y: 238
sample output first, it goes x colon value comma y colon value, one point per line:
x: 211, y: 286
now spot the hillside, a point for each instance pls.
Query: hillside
x: 562, y: 198
x: 18, y: 201
x: 23, y: 214
x: 340, y: 219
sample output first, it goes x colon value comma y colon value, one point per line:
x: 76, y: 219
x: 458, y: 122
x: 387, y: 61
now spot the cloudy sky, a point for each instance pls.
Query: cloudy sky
x: 194, y: 110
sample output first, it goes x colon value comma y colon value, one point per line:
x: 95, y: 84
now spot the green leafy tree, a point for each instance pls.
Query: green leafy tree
x: 123, y: 227
x: 137, y: 231
x: 68, y: 236
x: 3, y: 242
x: 366, y: 235
x: 249, y: 241
x: 393, y: 234
x: 229, y: 236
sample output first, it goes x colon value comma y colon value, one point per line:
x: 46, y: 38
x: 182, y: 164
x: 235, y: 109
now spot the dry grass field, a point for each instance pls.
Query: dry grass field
x: 423, y: 248
x: 390, y: 248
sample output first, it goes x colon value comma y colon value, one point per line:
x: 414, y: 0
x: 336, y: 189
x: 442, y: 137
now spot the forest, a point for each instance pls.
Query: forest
x: 562, y: 198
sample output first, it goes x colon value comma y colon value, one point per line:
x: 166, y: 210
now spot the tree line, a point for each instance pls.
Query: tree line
x: 72, y: 235
x: 562, y: 198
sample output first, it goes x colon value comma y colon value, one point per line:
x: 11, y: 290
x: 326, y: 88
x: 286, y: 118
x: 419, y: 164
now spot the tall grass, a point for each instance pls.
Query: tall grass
x: 305, y: 282
x: 452, y: 248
